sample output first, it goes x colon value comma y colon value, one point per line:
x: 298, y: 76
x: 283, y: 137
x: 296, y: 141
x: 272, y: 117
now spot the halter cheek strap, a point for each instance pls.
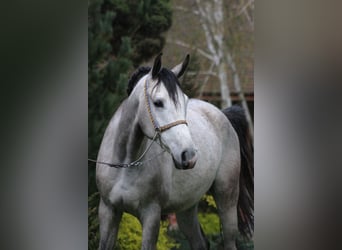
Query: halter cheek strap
x: 158, y: 128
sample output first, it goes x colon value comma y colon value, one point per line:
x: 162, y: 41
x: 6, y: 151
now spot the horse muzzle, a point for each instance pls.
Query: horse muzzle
x: 187, y: 160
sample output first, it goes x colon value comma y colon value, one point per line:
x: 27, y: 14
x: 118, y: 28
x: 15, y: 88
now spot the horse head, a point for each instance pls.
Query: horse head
x: 162, y: 112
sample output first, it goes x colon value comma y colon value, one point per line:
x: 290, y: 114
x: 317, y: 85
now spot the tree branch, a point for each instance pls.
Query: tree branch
x: 188, y: 46
x: 210, y: 73
x: 181, y: 8
x: 203, y: 17
x: 206, y: 78
x: 244, y: 7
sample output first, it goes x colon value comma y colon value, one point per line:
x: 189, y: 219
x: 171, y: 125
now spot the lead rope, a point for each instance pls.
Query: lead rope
x: 138, y: 161
x: 158, y: 130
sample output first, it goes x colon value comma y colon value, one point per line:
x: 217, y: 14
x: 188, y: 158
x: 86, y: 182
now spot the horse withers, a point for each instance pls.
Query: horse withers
x: 162, y: 152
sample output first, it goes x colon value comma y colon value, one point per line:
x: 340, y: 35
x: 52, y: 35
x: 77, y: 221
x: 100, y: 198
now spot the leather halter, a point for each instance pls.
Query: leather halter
x: 158, y: 128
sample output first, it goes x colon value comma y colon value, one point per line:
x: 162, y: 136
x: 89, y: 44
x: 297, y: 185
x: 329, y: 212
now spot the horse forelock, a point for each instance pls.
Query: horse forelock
x: 170, y: 82
x: 166, y: 76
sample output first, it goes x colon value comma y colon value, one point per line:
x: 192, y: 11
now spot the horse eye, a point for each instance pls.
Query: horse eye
x: 158, y: 104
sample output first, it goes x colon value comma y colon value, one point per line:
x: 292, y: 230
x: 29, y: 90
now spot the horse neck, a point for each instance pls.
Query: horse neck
x: 129, y: 136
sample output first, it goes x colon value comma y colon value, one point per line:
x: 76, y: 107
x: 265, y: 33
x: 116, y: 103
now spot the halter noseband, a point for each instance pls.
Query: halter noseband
x: 158, y: 128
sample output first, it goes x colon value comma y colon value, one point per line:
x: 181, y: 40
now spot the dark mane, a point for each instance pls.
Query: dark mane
x: 136, y: 76
x: 166, y: 76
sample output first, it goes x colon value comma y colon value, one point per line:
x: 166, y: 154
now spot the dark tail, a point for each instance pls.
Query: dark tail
x: 236, y: 116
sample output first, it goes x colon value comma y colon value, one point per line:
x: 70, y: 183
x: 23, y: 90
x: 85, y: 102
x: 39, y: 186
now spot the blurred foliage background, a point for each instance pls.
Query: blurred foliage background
x: 123, y: 35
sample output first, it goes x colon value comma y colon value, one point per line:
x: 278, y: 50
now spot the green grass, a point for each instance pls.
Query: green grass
x: 129, y: 237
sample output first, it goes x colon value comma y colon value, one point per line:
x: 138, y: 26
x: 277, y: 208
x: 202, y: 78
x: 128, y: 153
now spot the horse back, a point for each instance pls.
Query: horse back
x: 209, y: 120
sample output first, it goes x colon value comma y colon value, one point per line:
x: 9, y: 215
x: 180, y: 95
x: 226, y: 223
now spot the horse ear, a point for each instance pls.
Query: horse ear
x: 180, y: 68
x: 156, y: 66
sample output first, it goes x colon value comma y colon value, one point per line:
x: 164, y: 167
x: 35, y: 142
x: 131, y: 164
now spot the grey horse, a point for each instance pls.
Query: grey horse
x: 162, y: 152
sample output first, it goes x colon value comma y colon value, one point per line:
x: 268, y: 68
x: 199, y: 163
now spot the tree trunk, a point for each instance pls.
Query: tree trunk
x: 237, y: 85
x: 225, y: 93
x: 211, y: 18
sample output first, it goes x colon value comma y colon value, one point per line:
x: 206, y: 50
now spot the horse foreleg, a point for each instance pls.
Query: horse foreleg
x: 150, y: 220
x: 188, y: 223
x: 109, y: 226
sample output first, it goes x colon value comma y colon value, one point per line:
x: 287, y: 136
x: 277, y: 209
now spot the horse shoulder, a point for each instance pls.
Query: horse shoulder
x: 106, y: 176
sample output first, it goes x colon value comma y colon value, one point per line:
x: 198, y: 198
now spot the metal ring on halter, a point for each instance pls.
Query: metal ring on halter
x: 158, y: 131
x: 157, y: 128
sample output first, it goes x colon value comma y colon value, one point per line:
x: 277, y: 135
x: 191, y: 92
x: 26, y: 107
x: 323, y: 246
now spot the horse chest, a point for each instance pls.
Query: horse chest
x: 187, y: 187
x: 130, y: 192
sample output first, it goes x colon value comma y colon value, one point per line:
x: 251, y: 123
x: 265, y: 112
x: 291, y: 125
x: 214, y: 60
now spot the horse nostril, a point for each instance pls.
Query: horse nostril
x: 188, y: 158
x: 184, y: 153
